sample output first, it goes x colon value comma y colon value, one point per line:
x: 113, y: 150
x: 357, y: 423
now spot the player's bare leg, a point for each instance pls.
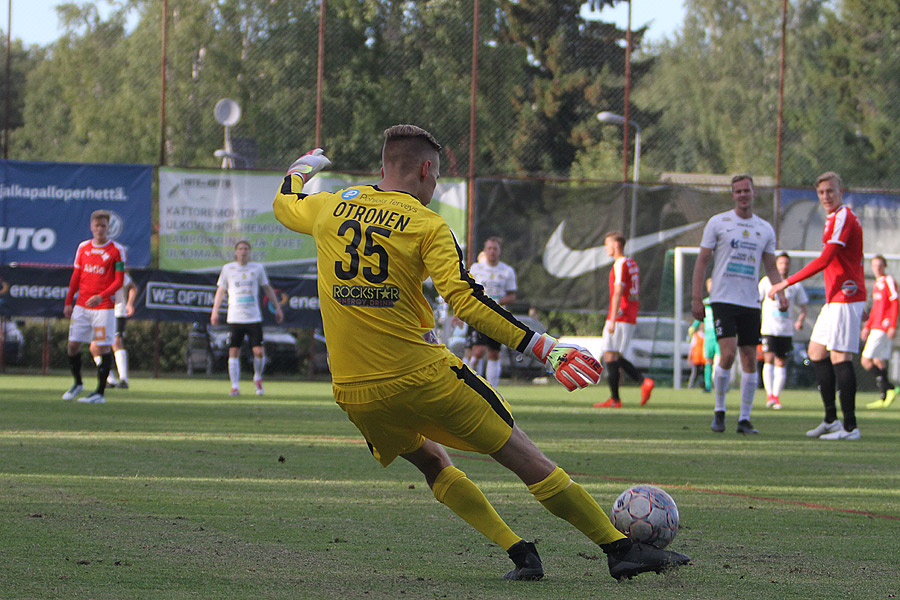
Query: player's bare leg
x: 259, y: 363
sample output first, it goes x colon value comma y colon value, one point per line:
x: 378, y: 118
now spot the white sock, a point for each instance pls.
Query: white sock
x: 721, y: 381
x: 476, y: 364
x: 98, y: 360
x: 259, y: 363
x: 749, y: 383
x: 122, y: 363
x: 492, y: 372
x: 778, y: 380
x: 768, y: 382
x: 234, y: 371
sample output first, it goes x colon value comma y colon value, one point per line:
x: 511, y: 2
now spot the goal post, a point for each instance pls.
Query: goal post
x: 683, y: 261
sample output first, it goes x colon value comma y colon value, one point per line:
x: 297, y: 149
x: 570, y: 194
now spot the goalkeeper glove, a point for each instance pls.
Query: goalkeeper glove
x: 309, y: 164
x: 572, y: 365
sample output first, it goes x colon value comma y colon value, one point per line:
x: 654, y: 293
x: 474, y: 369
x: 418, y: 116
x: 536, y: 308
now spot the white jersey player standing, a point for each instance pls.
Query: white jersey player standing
x: 499, y: 282
x: 740, y: 242
x: 242, y: 280
x: 777, y: 330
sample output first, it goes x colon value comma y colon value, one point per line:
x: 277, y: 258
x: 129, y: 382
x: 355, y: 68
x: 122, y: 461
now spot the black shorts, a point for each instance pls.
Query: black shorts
x: 779, y: 345
x: 732, y: 320
x: 121, y: 322
x: 476, y: 338
x: 237, y: 331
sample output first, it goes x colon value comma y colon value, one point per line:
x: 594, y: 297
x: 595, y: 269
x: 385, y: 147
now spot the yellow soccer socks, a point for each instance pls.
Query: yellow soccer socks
x: 569, y: 501
x: 459, y: 494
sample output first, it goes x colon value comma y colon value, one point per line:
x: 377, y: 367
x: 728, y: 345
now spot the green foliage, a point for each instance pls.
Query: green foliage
x: 140, y: 339
x: 861, y: 64
x: 575, y: 70
x: 561, y: 322
x: 96, y: 94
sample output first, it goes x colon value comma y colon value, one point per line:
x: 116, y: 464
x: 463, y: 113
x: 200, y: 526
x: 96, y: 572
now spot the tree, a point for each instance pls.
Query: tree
x: 862, y: 67
x: 22, y: 61
x: 87, y: 99
x: 715, y: 86
x: 575, y: 70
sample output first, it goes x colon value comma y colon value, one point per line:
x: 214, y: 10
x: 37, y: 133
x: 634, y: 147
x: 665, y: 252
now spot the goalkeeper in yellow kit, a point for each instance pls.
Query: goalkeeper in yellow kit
x: 410, y: 396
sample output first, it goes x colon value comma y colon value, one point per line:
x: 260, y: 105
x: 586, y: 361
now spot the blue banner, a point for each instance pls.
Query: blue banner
x: 162, y: 295
x: 45, y: 210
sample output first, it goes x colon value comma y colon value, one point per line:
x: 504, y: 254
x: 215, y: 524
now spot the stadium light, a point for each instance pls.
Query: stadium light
x: 227, y: 113
x: 608, y: 117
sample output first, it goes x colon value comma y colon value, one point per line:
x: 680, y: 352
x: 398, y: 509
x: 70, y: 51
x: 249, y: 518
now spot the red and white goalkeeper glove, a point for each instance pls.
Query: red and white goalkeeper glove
x: 572, y: 365
x: 309, y: 164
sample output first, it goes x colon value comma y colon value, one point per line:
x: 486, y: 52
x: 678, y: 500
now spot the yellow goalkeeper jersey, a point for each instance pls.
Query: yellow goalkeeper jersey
x: 375, y: 249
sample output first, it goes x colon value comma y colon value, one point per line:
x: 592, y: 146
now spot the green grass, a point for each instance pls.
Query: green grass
x: 173, y: 490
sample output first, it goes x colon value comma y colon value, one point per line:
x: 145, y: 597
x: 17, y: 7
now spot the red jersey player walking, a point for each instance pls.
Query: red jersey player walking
x: 624, y: 287
x: 99, y: 272
x: 879, y: 332
x: 835, y: 336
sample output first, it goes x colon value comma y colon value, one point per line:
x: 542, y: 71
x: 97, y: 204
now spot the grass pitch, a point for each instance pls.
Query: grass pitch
x: 174, y: 490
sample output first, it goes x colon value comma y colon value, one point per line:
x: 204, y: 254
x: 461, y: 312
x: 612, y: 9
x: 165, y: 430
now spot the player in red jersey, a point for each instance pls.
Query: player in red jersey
x: 99, y: 272
x: 879, y: 332
x: 835, y: 337
x: 624, y: 287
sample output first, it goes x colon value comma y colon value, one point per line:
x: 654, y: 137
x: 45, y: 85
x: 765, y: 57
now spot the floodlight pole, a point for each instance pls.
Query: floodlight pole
x: 608, y: 117
x: 228, y: 154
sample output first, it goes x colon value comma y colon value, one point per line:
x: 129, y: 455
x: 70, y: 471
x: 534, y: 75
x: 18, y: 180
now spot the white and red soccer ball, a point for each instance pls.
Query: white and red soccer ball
x: 646, y: 514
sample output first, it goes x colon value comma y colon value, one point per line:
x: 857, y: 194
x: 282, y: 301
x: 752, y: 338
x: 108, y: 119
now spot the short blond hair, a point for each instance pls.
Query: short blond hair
x: 100, y: 214
x: 406, y: 147
x: 832, y: 176
x: 617, y: 236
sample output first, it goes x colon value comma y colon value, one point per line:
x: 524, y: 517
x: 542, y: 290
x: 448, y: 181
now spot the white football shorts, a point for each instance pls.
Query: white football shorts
x: 838, y: 326
x: 92, y: 325
x: 619, y: 340
x: 878, y: 345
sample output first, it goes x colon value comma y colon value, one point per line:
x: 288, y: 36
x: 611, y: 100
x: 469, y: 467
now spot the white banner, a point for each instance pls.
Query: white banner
x: 204, y: 213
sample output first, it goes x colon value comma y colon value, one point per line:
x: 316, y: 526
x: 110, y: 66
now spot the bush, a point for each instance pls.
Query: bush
x: 139, y: 340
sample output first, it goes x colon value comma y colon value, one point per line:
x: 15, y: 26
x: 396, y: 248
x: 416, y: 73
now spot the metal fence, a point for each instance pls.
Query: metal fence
x: 772, y: 87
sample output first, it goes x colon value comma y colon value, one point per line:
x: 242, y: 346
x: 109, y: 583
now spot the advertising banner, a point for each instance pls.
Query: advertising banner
x: 163, y: 295
x: 803, y: 219
x: 553, y: 236
x: 204, y: 213
x: 45, y: 209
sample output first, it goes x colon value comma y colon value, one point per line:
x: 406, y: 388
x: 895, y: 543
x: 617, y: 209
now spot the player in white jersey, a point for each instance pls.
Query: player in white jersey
x: 123, y: 310
x: 740, y: 242
x: 242, y: 280
x: 499, y: 282
x: 777, y: 330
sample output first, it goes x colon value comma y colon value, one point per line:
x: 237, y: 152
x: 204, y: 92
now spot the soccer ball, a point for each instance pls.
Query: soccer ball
x: 646, y: 514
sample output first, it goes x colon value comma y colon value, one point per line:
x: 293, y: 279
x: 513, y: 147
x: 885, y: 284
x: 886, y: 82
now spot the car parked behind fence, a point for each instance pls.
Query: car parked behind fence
x: 207, y: 349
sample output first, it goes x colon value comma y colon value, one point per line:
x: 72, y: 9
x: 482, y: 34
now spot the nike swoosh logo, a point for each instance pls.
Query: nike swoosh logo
x: 566, y: 263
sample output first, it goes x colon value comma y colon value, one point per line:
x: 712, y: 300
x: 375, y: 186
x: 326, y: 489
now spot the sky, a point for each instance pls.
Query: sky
x: 35, y: 21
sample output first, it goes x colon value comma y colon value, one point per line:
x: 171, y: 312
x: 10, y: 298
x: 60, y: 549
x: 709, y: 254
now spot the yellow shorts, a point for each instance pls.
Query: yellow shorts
x: 445, y: 402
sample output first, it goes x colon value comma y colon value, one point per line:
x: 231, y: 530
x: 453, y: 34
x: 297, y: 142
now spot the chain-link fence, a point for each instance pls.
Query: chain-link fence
x: 139, y: 85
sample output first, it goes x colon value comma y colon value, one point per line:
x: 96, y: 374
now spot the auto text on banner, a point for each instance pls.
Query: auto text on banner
x: 45, y: 209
